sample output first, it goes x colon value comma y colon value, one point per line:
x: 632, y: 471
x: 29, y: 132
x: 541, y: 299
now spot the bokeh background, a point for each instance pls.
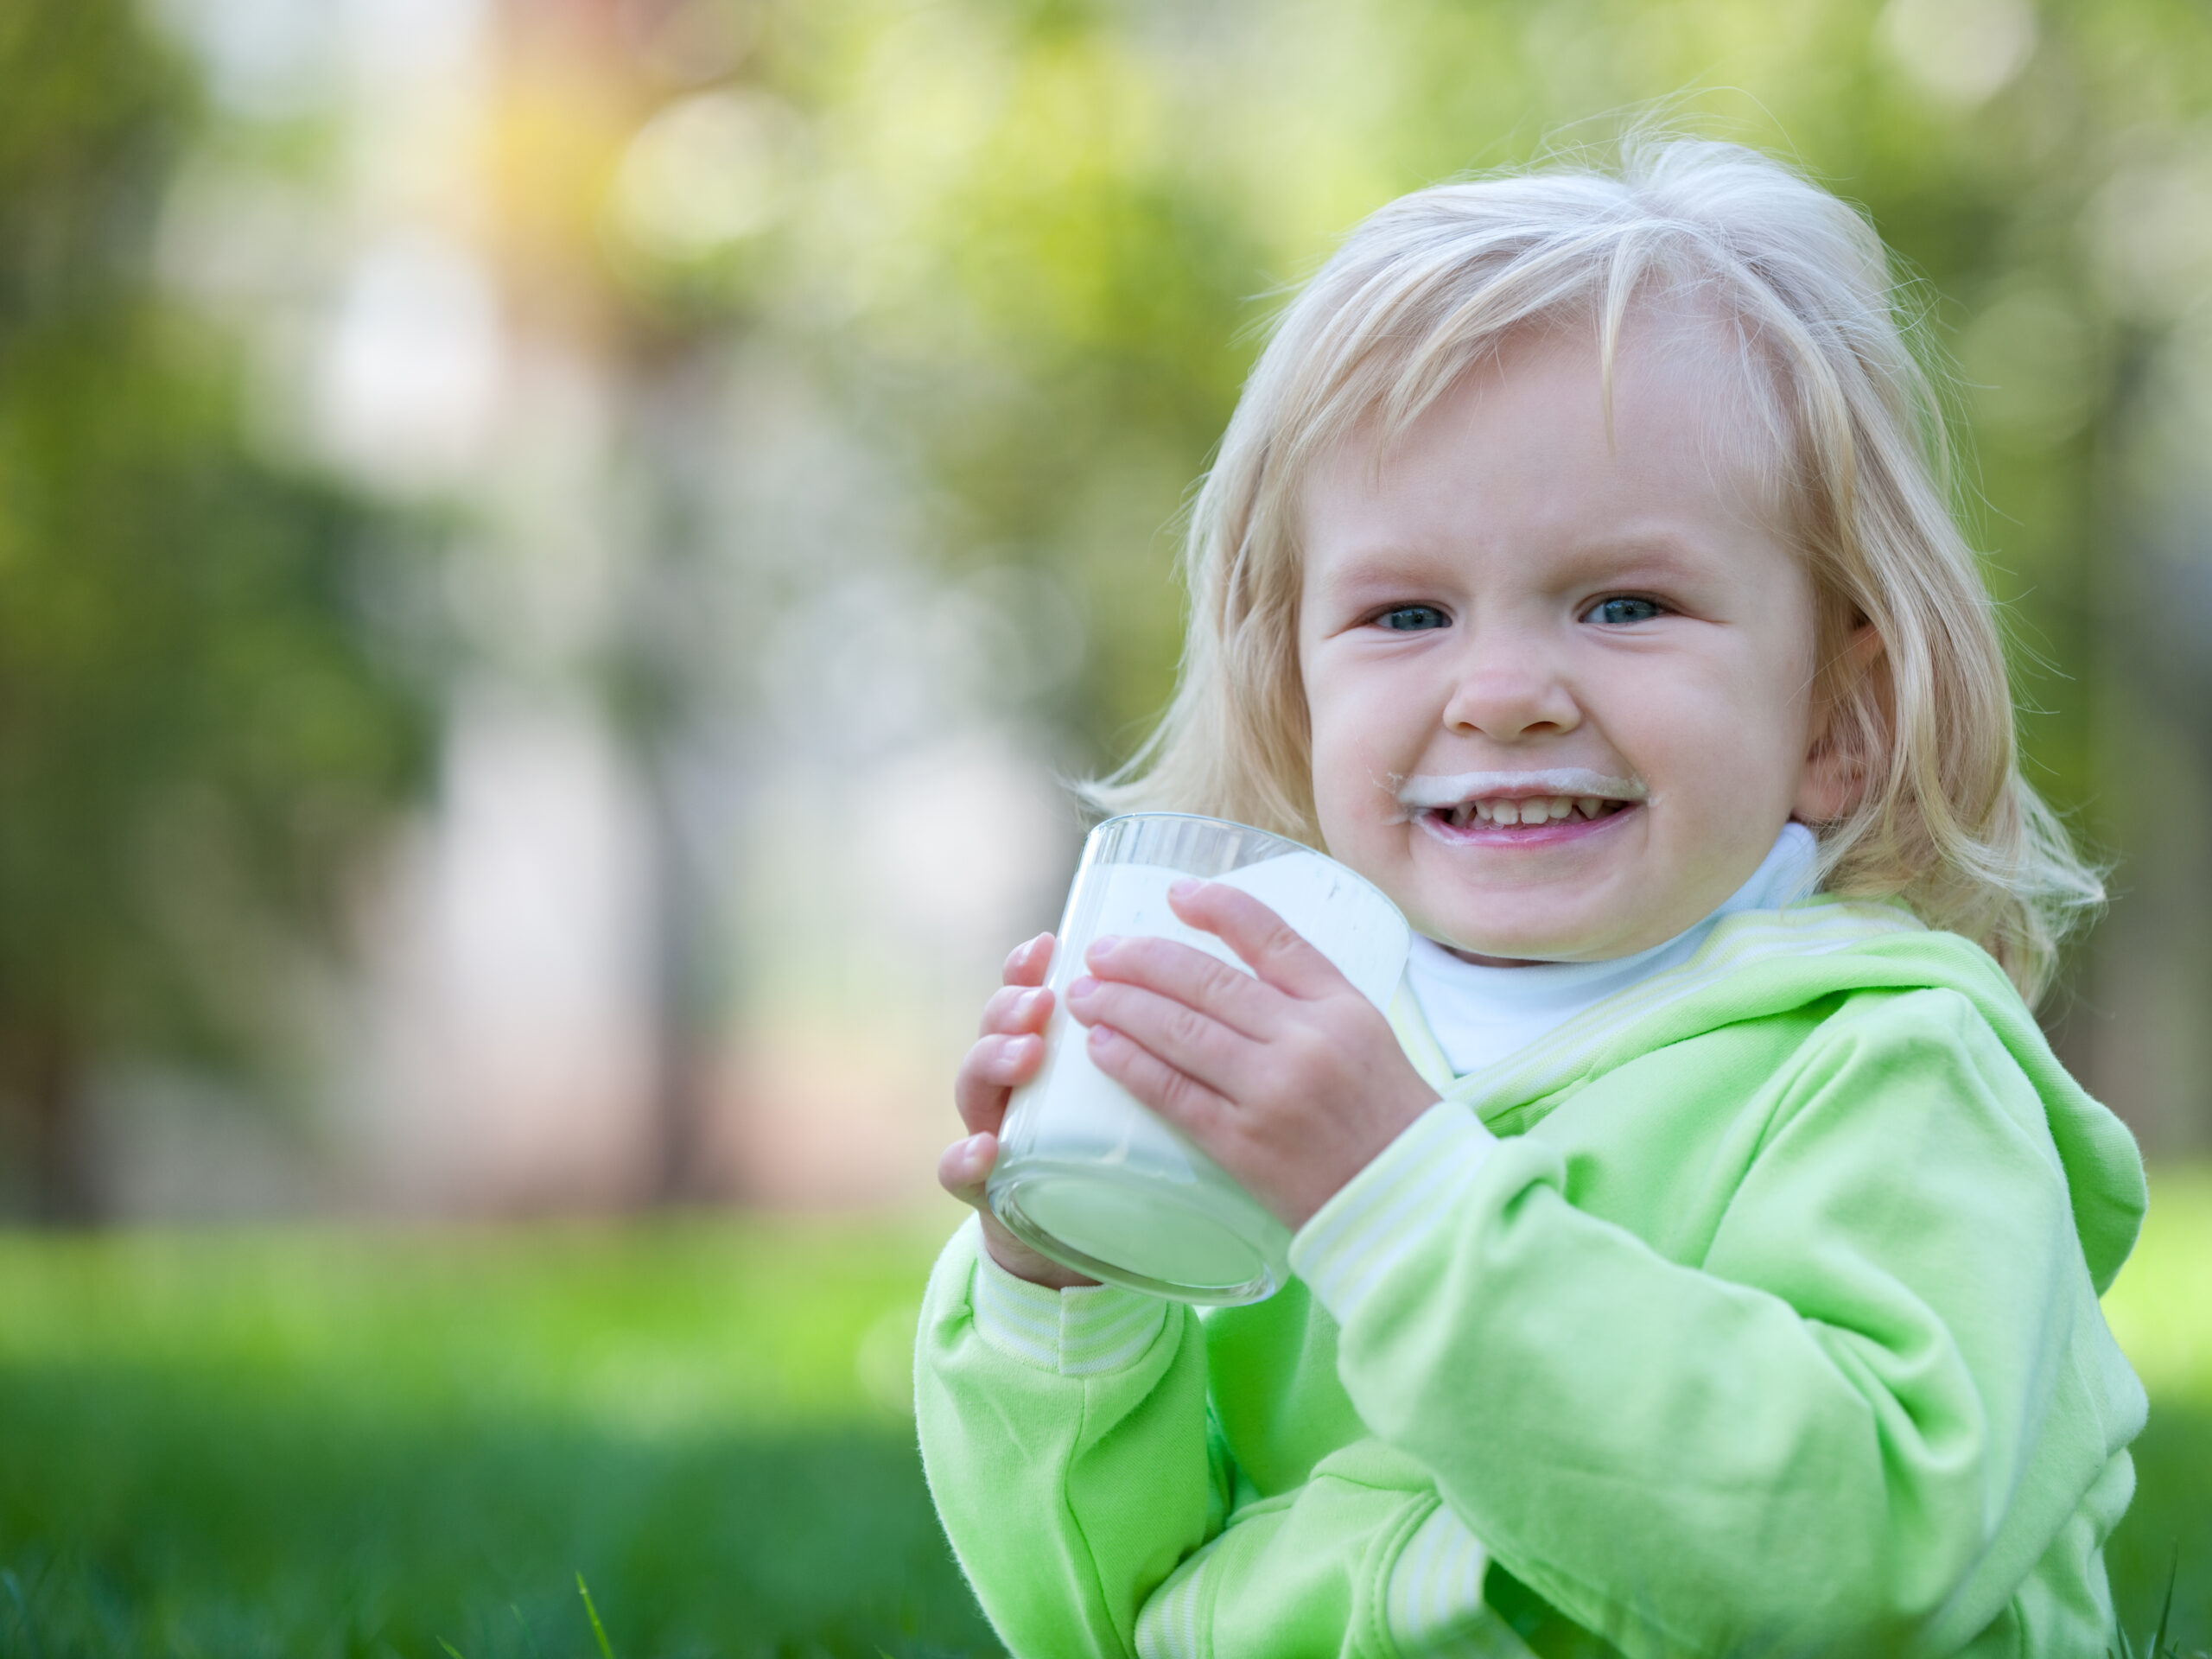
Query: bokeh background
x: 554, y: 556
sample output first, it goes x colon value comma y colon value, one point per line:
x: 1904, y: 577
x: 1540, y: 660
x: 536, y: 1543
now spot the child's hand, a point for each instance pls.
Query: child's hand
x: 1291, y: 1082
x: 1006, y: 1056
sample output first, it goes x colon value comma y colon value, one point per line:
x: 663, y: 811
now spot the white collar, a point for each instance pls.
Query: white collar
x: 1480, y: 1015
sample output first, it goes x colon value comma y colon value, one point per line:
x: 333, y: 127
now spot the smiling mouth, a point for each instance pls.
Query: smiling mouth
x: 1531, y: 811
x: 1522, y: 801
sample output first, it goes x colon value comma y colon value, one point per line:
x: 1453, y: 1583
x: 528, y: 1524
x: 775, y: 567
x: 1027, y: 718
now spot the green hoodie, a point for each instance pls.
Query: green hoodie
x: 1754, y: 1310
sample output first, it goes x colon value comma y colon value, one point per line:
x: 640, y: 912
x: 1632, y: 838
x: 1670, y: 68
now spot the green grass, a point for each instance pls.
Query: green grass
x: 329, y: 1442
x: 2161, y: 1311
x: 322, y: 1443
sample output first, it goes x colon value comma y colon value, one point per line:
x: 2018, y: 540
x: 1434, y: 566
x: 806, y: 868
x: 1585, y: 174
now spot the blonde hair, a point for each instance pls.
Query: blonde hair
x: 1437, y: 282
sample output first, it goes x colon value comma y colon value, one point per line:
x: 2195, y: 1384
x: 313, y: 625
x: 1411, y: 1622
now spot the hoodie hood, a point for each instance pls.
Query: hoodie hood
x: 1757, y: 964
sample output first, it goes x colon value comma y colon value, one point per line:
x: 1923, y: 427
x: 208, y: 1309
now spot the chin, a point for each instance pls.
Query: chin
x: 1530, y: 943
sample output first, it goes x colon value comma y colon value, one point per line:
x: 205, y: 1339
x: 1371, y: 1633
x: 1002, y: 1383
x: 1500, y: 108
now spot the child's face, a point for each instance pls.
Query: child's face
x: 1514, y: 596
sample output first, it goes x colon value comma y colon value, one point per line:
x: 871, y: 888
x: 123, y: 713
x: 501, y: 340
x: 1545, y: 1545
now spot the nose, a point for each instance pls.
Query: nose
x: 1509, y: 687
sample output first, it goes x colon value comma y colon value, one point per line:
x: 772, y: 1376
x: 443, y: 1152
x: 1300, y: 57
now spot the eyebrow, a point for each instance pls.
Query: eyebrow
x: 1657, y: 554
x: 1663, y: 553
x: 1381, y: 560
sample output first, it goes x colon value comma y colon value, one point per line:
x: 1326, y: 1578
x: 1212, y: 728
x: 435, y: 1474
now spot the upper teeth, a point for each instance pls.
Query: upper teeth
x: 1535, y: 808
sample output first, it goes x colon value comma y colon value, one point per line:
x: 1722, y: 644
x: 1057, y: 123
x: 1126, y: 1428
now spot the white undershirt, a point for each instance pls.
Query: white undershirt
x: 1480, y: 1015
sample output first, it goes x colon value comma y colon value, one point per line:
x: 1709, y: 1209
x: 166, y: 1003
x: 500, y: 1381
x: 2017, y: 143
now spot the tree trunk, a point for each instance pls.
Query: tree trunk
x: 42, y: 1112
x: 684, y: 946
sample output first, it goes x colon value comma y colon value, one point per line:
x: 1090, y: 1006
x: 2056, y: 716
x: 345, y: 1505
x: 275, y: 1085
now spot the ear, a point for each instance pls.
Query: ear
x: 1835, y: 772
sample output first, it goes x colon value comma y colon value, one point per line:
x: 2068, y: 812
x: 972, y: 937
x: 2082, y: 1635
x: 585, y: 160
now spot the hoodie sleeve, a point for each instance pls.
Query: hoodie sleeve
x: 1068, y: 1450
x: 1853, y: 1417
x: 1064, y: 1437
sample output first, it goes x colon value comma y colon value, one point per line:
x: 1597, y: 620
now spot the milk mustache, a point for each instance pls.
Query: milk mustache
x: 1094, y: 1179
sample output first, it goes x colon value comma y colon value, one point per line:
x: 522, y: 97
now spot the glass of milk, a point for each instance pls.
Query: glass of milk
x: 1104, y: 1185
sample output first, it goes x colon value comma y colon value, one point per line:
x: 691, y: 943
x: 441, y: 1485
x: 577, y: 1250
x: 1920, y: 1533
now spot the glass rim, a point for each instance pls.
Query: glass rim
x: 1209, y: 820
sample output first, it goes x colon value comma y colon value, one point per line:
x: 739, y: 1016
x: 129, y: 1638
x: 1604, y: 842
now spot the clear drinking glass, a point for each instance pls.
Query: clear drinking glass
x: 1098, y: 1182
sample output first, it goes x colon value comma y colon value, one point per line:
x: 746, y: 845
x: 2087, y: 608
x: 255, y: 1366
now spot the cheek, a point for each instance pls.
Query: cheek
x: 1773, y: 704
x: 1338, y: 761
x: 1352, y: 754
x: 1733, y: 735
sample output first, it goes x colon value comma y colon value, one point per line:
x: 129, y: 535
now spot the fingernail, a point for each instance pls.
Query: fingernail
x: 1029, y: 1003
x: 1102, y: 1037
x: 1186, y: 888
x: 1103, y: 944
x: 1081, y: 990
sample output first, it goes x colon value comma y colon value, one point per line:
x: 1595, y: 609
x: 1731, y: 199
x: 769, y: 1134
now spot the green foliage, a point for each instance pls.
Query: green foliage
x: 1034, y: 245
x: 198, y: 736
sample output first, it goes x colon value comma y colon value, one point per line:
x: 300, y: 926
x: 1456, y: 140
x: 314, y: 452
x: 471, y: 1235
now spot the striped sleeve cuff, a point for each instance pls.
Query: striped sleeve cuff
x: 1078, y: 1333
x: 1355, y: 1238
x: 1436, y: 1591
x: 1168, y: 1623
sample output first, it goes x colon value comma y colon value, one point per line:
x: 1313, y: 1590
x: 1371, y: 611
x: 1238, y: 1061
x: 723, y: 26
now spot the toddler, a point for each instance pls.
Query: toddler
x: 1704, y: 1257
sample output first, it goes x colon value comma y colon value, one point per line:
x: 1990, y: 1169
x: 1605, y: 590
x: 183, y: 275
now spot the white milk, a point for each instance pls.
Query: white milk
x: 1097, y: 1170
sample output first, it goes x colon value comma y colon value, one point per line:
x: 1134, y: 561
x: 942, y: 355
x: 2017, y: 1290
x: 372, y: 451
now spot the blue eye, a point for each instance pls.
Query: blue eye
x: 1407, y: 619
x: 1622, y: 610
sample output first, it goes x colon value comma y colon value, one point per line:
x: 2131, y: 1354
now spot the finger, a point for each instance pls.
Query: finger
x: 1175, y: 1094
x: 963, y: 1169
x: 1205, y: 982
x: 994, y: 1067
x: 965, y: 1166
x: 1273, y: 949
x: 1013, y: 1008
x: 1187, y: 1038
x: 1026, y: 962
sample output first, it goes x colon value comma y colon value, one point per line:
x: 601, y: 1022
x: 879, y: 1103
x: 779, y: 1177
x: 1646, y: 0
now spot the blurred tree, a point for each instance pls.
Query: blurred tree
x: 196, y: 736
